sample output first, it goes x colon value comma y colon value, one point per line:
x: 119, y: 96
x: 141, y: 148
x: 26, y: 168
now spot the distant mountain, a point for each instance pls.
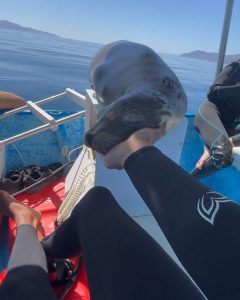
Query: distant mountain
x: 9, y: 25
x: 210, y: 56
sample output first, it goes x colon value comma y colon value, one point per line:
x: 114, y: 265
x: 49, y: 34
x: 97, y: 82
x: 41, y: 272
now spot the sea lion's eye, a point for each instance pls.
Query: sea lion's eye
x: 168, y: 82
x: 176, y: 84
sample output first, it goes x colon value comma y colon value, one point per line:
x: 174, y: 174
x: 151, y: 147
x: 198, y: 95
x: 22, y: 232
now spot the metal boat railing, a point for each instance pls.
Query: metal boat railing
x: 224, y: 37
x: 48, y: 120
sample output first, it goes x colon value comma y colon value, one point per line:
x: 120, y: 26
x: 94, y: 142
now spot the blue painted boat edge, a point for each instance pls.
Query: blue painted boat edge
x: 43, y: 148
x: 190, y: 115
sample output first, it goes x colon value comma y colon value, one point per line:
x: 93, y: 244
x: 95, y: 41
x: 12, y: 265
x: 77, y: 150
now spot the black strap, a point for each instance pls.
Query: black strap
x: 66, y: 274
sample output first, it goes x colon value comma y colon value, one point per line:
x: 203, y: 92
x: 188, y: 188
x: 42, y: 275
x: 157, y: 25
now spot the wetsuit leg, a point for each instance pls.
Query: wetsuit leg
x: 27, y: 276
x: 215, y: 137
x: 23, y: 255
x: 122, y: 260
x: 201, y: 225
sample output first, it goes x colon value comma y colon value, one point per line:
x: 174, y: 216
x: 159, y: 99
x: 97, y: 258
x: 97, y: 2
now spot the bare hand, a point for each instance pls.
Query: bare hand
x: 116, y: 157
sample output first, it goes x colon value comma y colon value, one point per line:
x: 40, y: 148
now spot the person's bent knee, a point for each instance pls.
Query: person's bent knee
x: 96, y: 198
x: 213, y: 93
x: 221, y: 151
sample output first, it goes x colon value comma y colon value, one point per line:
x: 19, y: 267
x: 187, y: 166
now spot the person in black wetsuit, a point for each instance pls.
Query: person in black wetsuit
x: 218, y: 120
x: 122, y: 260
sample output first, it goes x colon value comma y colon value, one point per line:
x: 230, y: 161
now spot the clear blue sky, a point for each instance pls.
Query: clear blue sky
x: 173, y: 26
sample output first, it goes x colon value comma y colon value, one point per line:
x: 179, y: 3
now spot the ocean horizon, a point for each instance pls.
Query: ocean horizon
x: 36, y: 66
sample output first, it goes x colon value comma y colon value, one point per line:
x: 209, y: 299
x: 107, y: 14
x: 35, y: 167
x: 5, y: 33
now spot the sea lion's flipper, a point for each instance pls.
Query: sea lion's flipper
x: 128, y: 114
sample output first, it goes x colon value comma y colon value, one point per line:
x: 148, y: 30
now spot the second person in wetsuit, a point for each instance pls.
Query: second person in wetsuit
x: 217, y: 121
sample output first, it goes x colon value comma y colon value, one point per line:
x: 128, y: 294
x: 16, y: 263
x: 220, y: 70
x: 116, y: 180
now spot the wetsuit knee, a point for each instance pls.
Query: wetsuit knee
x: 97, y: 198
x: 221, y: 157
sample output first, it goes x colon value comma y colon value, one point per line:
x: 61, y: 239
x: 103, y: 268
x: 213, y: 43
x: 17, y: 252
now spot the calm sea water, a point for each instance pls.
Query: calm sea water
x: 37, y: 66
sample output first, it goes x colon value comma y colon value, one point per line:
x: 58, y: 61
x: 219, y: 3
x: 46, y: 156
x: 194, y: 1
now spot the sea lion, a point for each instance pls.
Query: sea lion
x: 135, y: 89
x: 10, y: 101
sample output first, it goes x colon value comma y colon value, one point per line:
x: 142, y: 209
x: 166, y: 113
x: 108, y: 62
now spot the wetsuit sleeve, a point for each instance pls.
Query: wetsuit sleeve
x: 229, y: 94
x: 226, y: 87
x: 201, y: 225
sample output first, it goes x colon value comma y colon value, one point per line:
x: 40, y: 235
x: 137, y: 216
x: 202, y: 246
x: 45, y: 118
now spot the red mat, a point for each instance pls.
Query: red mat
x: 48, y: 202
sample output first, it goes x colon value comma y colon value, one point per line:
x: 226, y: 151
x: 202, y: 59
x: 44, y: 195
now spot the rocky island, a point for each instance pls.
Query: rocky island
x: 210, y: 56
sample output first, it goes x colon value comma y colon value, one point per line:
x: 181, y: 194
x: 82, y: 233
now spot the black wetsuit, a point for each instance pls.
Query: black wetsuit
x: 217, y: 119
x: 124, y: 262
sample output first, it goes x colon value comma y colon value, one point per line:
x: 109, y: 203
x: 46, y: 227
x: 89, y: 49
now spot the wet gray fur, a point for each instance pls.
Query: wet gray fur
x: 135, y: 89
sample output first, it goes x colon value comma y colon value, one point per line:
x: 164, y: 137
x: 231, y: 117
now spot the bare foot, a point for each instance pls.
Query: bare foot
x: 205, y: 156
x: 20, y: 213
x: 10, y: 100
x: 116, y: 157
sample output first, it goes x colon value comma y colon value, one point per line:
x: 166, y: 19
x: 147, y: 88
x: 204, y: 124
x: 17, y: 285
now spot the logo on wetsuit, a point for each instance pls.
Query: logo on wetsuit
x: 208, y: 205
